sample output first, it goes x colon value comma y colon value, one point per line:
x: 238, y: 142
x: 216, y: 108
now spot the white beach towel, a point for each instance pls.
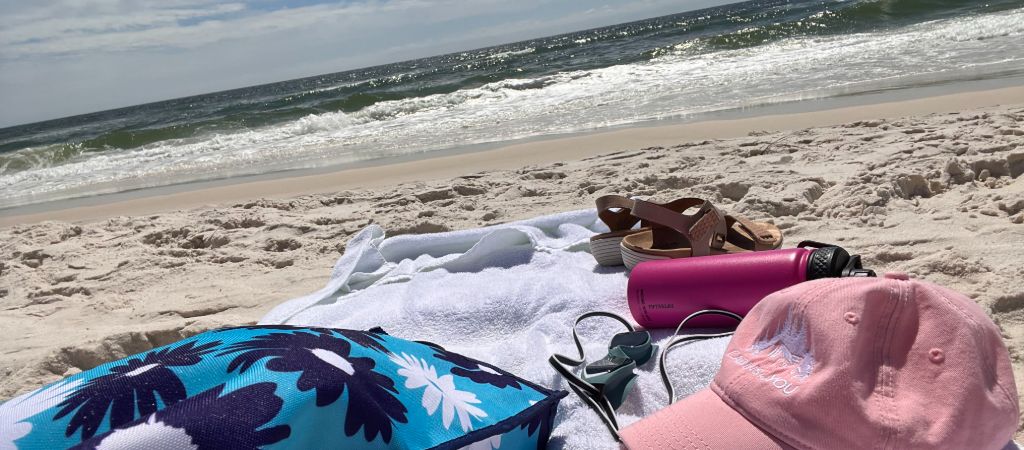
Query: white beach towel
x: 505, y: 294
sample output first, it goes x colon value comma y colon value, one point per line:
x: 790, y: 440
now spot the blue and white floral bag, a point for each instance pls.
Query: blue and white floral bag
x: 285, y: 387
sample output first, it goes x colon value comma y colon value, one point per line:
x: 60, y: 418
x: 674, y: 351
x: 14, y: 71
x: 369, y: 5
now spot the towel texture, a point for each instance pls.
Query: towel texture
x: 505, y: 294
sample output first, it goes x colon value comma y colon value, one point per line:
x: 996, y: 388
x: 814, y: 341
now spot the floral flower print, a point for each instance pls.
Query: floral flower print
x: 439, y: 391
x: 369, y: 339
x: 210, y: 420
x: 133, y: 384
x: 15, y: 413
x: 478, y: 372
x: 327, y: 368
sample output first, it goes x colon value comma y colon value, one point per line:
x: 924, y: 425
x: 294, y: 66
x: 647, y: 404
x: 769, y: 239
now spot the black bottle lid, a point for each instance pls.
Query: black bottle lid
x: 833, y: 261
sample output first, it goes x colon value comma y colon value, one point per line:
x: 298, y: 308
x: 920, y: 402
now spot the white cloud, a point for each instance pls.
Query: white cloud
x: 160, y: 27
x: 68, y: 57
x: 69, y: 28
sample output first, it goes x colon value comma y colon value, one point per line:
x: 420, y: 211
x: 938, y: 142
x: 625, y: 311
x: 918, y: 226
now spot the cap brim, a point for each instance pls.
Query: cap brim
x: 702, y: 421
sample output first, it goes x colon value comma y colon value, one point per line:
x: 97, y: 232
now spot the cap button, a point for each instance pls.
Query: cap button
x: 897, y: 276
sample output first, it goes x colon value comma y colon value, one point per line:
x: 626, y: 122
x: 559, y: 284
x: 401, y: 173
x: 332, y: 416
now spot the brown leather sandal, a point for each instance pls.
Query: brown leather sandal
x: 673, y: 234
x: 614, y: 211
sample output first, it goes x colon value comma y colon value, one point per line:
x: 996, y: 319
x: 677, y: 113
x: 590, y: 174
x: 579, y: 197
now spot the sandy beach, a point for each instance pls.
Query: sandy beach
x: 931, y: 187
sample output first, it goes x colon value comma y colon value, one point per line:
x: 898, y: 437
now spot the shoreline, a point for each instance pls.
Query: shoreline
x: 445, y: 164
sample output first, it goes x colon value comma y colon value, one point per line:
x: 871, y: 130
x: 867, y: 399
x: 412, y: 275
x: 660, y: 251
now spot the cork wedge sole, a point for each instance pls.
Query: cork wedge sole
x: 606, y: 247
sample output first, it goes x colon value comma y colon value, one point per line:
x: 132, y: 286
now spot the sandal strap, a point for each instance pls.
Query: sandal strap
x: 704, y: 230
x: 748, y: 235
x: 616, y: 212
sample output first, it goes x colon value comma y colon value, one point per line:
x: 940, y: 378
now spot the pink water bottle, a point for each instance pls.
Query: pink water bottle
x: 662, y: 293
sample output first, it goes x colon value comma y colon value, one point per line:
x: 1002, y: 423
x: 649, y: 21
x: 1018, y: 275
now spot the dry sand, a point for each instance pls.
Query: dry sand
x: 938, y: 196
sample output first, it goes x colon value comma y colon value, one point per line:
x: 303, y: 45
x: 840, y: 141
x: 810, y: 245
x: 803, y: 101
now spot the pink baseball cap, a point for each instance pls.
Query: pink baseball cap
x: 884, y: 363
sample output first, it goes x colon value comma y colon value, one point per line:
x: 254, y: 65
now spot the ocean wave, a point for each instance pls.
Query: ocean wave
x: 351, y: 123
x: 510, y: 53
x: 522, y: 84
x: 38, y: 157
x: 869, y: 11
x: 789, y: 21
x: 386, y: 110
x: 734, y: 27
x: 315, y: 123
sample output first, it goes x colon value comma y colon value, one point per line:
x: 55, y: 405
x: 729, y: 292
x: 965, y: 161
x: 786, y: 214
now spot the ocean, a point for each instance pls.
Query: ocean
x: 677, y: 67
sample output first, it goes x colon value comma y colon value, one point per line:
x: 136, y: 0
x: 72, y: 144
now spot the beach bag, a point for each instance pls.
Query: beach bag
x: 285, y: 387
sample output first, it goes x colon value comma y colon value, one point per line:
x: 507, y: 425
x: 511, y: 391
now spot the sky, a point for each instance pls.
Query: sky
x: 66, y: 57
